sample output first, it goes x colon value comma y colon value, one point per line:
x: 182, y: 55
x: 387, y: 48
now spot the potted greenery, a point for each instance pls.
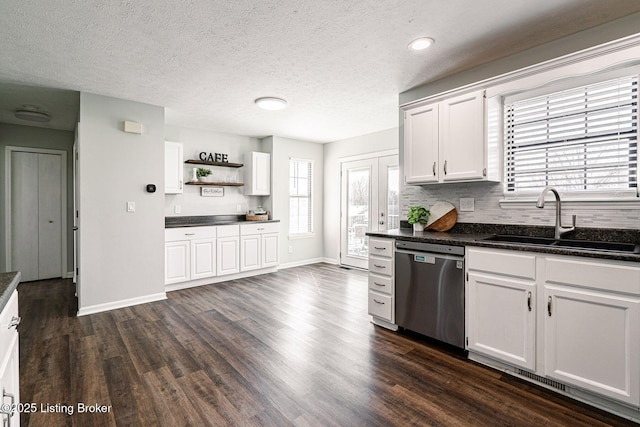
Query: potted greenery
x: 418, y: 217
x: 202, y: 173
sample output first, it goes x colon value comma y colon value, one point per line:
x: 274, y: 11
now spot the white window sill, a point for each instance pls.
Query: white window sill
x: 574, y: 203
x: 302, y: 236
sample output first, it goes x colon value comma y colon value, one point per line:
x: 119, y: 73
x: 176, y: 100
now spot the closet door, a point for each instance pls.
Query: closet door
x: 36, y: 221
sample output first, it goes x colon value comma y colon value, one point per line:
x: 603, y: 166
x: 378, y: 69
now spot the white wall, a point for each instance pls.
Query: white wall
x: 487, y: 196
x: 195, y: 141
x: 29, y: 136
x: 121, y: 255
x: 333, y: 153
x: 282, y: 149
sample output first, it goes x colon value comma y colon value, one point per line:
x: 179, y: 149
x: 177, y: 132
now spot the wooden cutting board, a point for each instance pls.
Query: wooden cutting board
x: 443, y: 216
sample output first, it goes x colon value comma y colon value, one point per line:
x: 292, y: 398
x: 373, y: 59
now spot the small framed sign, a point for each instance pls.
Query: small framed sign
x: 212, y: 191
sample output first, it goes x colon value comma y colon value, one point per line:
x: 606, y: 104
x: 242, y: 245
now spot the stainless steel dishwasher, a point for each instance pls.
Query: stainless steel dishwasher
x: 429, y: 282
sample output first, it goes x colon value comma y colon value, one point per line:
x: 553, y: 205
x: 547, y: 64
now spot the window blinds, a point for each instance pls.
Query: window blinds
x: 577, y: 140
x: 300, y: 207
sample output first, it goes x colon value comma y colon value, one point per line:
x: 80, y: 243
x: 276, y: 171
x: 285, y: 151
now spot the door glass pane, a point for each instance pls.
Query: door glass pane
x: 358, y: 184
x: 393, y: 193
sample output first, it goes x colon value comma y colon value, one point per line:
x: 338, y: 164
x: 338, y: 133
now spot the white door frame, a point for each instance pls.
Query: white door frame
x: 342, y: 160
x: 63, y: 205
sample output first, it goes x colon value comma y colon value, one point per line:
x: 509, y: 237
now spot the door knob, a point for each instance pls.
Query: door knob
x: 381, y: 222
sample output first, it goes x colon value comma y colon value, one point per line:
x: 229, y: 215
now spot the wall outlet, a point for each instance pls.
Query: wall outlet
x: 239, y: 208
x: 177, y: 209
x: 290, y: 249
x: 467, y: 204
x: 131, y: 206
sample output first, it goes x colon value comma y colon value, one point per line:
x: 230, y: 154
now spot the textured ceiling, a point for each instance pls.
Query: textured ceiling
x: 339, y: 63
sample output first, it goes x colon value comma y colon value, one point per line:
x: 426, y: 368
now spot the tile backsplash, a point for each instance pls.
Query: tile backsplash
x: 488, y: 210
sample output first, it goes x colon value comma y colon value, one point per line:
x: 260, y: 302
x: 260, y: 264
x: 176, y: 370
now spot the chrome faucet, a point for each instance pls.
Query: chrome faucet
x: 560, y: 230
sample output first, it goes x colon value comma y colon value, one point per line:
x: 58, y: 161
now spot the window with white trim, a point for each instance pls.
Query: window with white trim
x: 581, y: 140
x: 300, y: 197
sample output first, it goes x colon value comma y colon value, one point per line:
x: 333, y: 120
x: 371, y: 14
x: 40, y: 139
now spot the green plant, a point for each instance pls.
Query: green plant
x: 418, y: 214
x: 201, y: 172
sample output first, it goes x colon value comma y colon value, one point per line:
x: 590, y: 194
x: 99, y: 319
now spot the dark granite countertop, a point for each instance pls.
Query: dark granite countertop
x: 8, y: 284
x: 474, y: 234
x: 207, y: 220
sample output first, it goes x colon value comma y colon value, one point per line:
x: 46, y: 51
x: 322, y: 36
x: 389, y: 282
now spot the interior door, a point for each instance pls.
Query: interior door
x: 369, y: 203
x: 36, y: 215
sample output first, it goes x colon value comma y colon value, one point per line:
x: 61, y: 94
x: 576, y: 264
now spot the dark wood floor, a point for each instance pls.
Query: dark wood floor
x: 291, y: 348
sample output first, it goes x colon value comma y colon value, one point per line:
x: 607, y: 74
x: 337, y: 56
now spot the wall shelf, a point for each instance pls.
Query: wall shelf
x: 224, y: 164
x: 217, y: 184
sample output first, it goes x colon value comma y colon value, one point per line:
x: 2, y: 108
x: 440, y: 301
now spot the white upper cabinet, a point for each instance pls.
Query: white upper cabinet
x: 173, y: 168
x: 446, y: 141
x: 257, y: 174
x: 421, y: 144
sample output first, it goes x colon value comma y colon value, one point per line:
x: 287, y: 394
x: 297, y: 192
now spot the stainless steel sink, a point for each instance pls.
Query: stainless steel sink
x: 567, y: 243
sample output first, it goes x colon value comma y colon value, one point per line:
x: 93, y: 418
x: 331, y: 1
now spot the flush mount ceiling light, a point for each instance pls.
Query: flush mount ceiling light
x: 421, y: 43
x: 31, y: 114
x: 271, y: 103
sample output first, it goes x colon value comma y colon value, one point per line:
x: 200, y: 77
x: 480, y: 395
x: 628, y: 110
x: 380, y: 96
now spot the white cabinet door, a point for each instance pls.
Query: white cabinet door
x: 257, y: 174
x: 203, y: 258
x: 270, y: 248
x: 462, y: 146
x: 592, y: 341
x: 228, y: 255
x: 173, y: 168
x: 250, y: 252
x: 421, y: 144
x: 176, y: 262
x: 501, y: 318
x: 10, y: 383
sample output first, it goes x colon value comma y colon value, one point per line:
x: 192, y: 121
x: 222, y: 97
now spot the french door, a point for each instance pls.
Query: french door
x: 370, y: 191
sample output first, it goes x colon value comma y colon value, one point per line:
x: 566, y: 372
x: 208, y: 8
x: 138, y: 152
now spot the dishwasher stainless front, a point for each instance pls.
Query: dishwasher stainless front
x: 429, y: 290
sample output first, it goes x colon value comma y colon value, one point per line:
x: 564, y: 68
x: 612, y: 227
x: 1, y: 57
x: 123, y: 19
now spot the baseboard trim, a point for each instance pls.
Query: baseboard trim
x: 68, y: 275
x: 302, y: 262
x: 99, y: 308
x: 218, y: 279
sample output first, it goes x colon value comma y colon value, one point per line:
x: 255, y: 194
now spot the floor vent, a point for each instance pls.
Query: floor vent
x: 542, y: 380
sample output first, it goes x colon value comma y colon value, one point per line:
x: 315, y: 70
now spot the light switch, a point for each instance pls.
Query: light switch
x: 131, y: 206
x: 177, y: 209
x: 467, y: 204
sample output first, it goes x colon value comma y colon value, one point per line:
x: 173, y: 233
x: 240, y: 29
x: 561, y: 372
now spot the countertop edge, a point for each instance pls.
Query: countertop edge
x: 214, y: 224
x: 456, y: 239
x: 8, y: 284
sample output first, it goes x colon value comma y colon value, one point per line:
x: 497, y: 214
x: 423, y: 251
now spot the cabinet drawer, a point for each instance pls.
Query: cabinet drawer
x: 260, y: 228
x: 380, y: 306
x: 381, y: 247
x: 189, y: 233
x: 502, y: 262
x: 383, y: 284
x: 10, y: 312
x: 228, y: 230
x: 382, y: 266
x: 596, y: 274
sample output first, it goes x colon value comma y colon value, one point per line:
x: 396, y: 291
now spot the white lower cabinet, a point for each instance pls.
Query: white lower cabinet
x: 569, y: 319
x: 228, y: 257
x: 259, y: 244
x: 381, y: 297
x: 591, y: 334
x: 189, y: 254
x: 9, y: 363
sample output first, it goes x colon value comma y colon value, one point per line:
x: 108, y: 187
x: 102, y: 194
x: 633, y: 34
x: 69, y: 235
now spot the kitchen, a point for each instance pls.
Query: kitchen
x: 120, y: 253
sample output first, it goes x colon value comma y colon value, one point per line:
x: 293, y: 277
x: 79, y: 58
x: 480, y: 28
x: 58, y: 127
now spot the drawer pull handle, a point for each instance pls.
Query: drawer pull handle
x: 529, y: 300
x: 189, y: 234
x: 549, y: 306
x: 15, y: 321
x: 379, y: 266
x: 260, y: 229
x: 378, y: 248
x: 378, y: 302
x: 379, y: 284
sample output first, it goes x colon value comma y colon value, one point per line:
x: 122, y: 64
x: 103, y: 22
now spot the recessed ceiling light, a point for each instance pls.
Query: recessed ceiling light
x: 31, y: 113
x: 421, y: 43
x: 271, y: 103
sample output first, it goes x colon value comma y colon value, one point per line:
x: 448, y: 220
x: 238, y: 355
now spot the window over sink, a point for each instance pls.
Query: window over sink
x: 581, y: 140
